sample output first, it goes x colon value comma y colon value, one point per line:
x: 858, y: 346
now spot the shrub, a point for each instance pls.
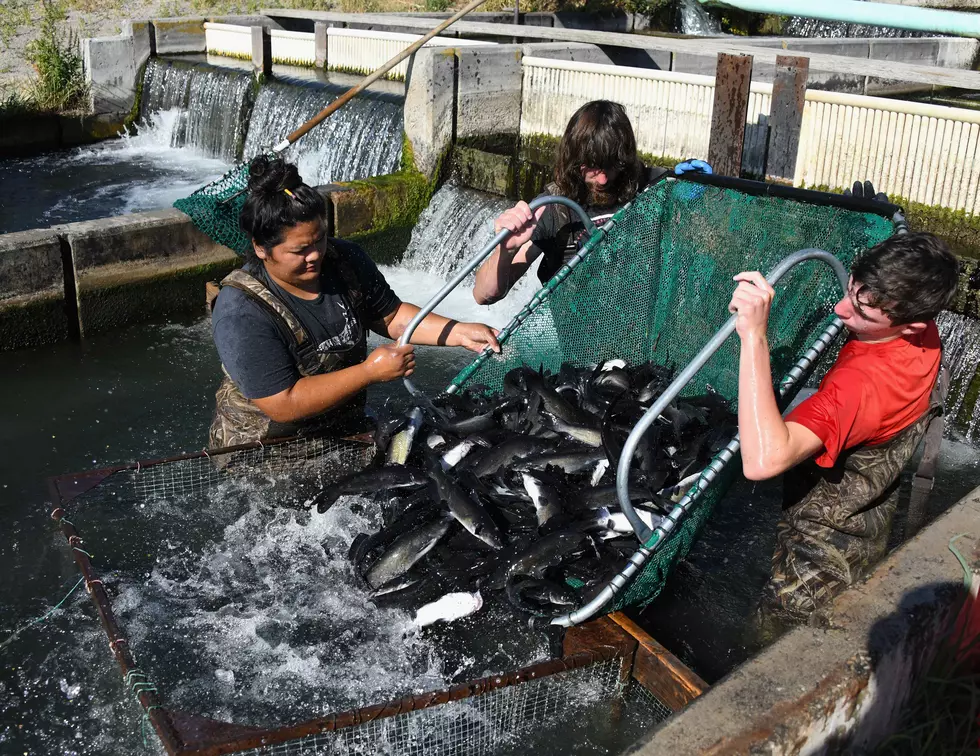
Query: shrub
x: 59, y: 80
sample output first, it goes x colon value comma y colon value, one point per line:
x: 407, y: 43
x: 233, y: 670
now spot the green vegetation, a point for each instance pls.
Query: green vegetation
x: 58, y: 82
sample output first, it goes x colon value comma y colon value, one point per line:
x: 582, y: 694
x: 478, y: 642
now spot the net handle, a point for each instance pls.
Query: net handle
x: 659, y: 536
x: 643, y: 532
x: 373, y: 77
x: 475, y: 262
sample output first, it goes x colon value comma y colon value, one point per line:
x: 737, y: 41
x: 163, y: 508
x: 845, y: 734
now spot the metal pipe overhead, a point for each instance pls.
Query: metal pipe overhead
x: 862, y: 12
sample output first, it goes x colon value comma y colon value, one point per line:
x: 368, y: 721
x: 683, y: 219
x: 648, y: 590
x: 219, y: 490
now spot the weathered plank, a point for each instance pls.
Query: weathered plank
x: 947, y: 77
x: 786, y: 116
x: 732, y: 81
x: 658, y: 670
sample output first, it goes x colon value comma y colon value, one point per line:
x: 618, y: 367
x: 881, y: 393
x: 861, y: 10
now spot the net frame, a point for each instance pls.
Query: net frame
x: 602, y: 658
x: 643, y: 574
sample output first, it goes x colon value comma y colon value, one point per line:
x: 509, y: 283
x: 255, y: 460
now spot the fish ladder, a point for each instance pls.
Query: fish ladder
x: 653, y: 284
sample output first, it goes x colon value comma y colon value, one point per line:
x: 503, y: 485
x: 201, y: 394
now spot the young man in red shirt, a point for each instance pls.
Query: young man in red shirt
x: 848, y: 443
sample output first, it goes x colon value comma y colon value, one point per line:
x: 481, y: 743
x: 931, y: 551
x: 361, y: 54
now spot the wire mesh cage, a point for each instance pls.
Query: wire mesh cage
x: 654, y: 285
x: 586, y: 687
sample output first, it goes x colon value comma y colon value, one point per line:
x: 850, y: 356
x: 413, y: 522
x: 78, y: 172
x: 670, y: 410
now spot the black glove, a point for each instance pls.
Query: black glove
x: 866, y: 191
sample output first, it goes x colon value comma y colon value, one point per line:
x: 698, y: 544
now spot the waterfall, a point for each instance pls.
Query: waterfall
x: 213, y: 104
x: 362, y: 139
x: 961, y: 354
x: 797, y: 26
x: 695, y: 19
x: 453, y: 228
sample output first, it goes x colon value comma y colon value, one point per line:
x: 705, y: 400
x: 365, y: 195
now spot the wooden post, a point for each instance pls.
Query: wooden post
x: 786, y: 117
x: 732, y: 80
x: 320, y: 44
x: 261, y: 52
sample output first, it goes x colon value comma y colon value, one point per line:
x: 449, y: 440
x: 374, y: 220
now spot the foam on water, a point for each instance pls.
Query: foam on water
x: 142, y: 171
x: 265, y: 623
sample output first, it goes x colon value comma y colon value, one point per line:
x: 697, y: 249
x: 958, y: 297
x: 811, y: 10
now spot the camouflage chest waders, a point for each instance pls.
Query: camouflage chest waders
x: 836, y: 523
x: 237, y: 420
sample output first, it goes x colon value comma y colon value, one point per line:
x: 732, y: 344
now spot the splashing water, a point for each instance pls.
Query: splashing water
x: 961, y: 355
x: 362, y: 139
x: 453, y: 228
x: 213, y: 104
x: 696, y: 20
x: 142, y: 171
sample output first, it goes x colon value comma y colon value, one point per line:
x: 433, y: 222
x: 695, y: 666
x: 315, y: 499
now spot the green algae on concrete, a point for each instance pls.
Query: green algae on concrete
x: 380, y: 212
x: 125, y: 293
x: 33, y: 320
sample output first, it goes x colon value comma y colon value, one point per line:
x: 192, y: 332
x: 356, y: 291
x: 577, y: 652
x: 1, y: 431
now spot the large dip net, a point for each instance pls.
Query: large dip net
x: 655, y: 286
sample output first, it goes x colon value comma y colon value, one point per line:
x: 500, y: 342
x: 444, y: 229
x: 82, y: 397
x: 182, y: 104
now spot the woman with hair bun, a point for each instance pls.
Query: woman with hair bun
x: 291, y: 325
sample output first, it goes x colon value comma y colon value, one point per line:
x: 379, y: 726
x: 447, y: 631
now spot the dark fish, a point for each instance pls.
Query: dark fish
x: 554, y: 403
x: 369, y: 481
x: 486, y: 462
x: 541, y: 598
x: 406, y: 551
x: 570, y: 462
x: 468, y: 512
x: 584, y: 434
x: 551, y: 551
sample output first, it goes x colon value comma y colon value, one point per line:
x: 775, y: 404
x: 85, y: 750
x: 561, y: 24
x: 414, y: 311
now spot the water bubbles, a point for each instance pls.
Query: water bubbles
x: 70, y: 691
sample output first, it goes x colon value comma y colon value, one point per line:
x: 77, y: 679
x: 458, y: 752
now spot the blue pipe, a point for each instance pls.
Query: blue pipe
x: 863, y: 12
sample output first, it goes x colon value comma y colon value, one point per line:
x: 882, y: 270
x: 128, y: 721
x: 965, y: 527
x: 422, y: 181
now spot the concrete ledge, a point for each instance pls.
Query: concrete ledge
x: 379, y: 213
x: 488, y: 99
x: 32, y: 290
x: 579, y: 52
x: 179, y: 35
x: 430, y: 98
x: 26, y: 135
x: 840, y: 686
x: 130, y: 268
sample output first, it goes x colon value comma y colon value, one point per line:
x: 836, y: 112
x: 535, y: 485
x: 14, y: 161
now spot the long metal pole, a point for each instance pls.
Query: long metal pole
x: 657, y: 537
x: 643, y: 533
x: 475, y: 262
x: 870, y: 13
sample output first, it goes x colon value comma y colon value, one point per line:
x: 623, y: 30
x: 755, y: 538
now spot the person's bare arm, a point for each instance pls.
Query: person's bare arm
x: 770, y: 445
x: 314, y: 394
x: 436, y: 330
x: 513, y: 256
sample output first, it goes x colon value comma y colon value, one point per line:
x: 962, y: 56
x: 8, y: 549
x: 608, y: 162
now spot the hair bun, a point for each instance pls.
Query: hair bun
x: 270, y: 175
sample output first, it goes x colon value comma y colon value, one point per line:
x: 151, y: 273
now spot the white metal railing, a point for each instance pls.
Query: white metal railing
x: 924, y: 153
x: 232, y: 40
x: 362, y: 51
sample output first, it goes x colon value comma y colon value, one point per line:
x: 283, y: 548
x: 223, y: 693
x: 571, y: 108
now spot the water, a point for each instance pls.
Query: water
x: 363, y: 139
x: 961, y: 342
x: 797, y: 26
x: 453, y: 228
x: 193, y: 123
x: 125, y: 175
x: 148, y: 392
x: 695, y: 19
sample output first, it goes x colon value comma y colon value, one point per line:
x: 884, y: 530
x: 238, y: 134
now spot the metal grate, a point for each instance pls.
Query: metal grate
x: 485, y: 724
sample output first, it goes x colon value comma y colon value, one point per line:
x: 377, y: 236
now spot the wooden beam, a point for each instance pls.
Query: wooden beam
x: 732, y: 81
x: 932, y: 75
x: 786, y: 117
x: 658, y: 670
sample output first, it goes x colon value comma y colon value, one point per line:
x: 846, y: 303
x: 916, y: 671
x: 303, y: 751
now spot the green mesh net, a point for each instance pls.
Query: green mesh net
x: 214, y: 209
x: 657, y: 287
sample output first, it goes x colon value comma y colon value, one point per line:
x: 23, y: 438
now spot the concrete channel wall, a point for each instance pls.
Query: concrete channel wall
x: 840, y: 684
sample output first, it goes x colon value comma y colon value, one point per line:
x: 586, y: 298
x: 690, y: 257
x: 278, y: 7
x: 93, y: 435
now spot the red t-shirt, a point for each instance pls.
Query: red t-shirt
x: 872, y: 392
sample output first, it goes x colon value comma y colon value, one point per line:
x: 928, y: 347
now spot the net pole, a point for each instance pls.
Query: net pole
x: 475, y: 262
x: 643, y: 532
x: 622, y: 579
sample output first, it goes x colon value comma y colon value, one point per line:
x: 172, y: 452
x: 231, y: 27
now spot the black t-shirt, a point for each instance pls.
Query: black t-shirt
x: 254, y: 350
x: 559, y: 233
